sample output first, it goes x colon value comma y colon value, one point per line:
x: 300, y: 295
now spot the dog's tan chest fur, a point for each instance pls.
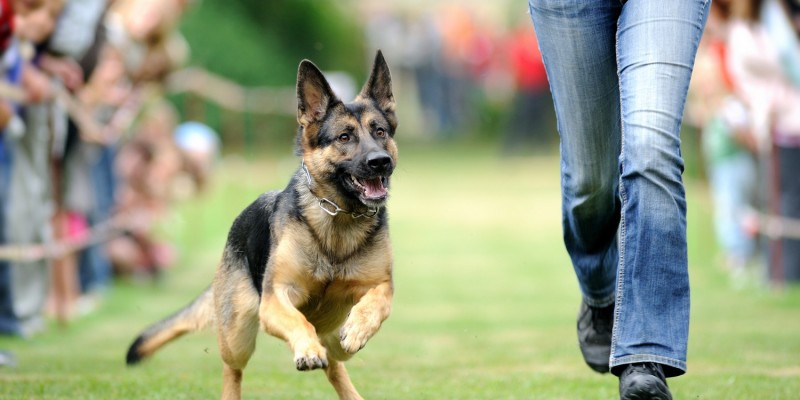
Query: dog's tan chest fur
x: 323, y: 289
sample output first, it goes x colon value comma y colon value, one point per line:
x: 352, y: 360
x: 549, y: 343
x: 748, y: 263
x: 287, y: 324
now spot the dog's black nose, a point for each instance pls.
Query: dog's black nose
x: 379, y: 161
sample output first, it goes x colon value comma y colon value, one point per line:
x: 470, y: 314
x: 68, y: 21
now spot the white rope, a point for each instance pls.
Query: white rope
x: 99, y: 233
x: 776, y: 226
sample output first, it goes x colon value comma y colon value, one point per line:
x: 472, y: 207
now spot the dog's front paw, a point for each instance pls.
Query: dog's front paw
x: 310, y: 356
x: 356, y: 331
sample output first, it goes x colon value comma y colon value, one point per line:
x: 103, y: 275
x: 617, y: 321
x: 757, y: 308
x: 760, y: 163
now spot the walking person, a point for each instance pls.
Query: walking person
x: 619, y: 73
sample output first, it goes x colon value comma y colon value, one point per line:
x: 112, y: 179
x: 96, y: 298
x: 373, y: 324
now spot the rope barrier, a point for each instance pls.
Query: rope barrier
x: 776, y: 226
x: 230, y: 95
x: 99, y: 233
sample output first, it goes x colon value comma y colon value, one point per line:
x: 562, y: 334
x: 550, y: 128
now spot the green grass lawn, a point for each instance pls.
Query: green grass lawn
x: 485, y: 303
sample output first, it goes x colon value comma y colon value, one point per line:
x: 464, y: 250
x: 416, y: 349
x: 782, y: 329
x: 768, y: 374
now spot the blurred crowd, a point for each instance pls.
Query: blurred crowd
x: 745, y: 98
x: 464, y: 61
x: 88, y: 141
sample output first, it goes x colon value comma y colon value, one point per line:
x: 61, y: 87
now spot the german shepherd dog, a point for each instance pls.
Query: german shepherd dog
x: 311, y: 264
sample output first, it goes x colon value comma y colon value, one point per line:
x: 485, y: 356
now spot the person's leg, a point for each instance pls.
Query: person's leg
x: 656, y: 46
x: 577, y: 41
x: 789, y: 159
x: 8, y: 320
x: 731, y: 182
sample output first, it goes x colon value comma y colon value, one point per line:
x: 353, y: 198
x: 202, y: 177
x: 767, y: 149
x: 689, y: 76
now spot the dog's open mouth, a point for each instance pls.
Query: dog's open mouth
x: 371, y: 188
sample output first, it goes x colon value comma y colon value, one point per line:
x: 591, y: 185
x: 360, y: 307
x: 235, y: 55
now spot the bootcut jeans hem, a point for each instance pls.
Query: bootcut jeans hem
x: 672, y: 367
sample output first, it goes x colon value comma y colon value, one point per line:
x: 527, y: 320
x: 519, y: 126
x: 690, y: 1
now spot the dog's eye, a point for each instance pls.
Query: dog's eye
x: 380, y: 133
x: 344, y: 138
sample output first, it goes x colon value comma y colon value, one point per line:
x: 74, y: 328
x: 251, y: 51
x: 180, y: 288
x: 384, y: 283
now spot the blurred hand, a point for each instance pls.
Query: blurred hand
x: 36, y: 84
x: 65, y: 68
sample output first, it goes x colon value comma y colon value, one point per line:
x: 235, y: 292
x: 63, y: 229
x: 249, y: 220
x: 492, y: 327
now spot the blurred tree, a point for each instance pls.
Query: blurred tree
x: 261, y: 43
x: 257, y: 42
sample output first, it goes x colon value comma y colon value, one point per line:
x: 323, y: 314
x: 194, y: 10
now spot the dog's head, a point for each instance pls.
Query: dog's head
x: 348, y: 148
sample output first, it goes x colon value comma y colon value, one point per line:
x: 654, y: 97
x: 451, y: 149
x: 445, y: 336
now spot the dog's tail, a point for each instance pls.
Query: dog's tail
x: 196, y: 316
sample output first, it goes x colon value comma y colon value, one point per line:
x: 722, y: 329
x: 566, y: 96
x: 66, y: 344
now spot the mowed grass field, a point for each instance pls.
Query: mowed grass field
x: 485, y: 302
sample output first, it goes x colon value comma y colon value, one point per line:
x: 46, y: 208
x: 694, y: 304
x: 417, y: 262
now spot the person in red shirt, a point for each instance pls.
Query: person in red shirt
x: 532, y: 120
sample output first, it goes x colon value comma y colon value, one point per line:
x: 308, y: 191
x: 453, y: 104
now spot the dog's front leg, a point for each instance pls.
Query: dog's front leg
x: 366, y: 317
x: 280, y: 318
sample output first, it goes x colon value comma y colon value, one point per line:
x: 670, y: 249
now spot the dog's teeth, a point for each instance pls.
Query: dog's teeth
x: 356, y: 182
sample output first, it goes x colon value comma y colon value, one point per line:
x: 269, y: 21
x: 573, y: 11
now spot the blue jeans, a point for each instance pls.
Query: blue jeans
x: 619, y: 72
x: 95, y: 268
x: 8, y: 319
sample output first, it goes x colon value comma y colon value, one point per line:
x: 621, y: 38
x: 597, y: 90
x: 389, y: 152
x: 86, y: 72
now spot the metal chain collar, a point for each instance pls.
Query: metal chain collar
x: 332, y: 208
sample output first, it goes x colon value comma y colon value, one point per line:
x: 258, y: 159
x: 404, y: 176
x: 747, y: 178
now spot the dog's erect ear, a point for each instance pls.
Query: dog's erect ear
x: 314, y: 94
x: 379, y: 84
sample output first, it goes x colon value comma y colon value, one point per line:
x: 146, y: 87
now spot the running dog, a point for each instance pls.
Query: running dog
x: 311, y: 264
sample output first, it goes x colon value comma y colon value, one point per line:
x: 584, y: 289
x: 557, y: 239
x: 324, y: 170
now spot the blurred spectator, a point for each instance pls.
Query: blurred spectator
x: 763, y: 61
x: 532, y: 120
x: 10, y: 73
x: 144, y: 38
x: 147, y: 165
x: 143, y: 48
x: 72, y: 55
x: 464, y: 54
x: 429, y: 72
x: 29, y: 207
x: 728, y: 145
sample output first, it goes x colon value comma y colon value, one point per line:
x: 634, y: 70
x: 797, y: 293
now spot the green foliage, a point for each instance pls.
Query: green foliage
x: 258, y: 42
x: 327, y: 32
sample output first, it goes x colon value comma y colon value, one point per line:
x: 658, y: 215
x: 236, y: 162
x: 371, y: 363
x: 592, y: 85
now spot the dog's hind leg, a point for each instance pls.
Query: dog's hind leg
x: 237, y: 341
x: 231, y: 383
x: 338, y: 377
x: 236, y: 349
x: 236, y: 304
x: 335, y: 371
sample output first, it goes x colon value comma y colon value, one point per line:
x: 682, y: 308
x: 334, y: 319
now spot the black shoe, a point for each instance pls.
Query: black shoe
x: 644, y: 381
x: 594, y: 335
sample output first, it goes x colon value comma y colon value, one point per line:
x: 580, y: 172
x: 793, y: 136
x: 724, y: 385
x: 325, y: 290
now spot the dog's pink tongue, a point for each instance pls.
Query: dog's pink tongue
x: 373, y: 188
